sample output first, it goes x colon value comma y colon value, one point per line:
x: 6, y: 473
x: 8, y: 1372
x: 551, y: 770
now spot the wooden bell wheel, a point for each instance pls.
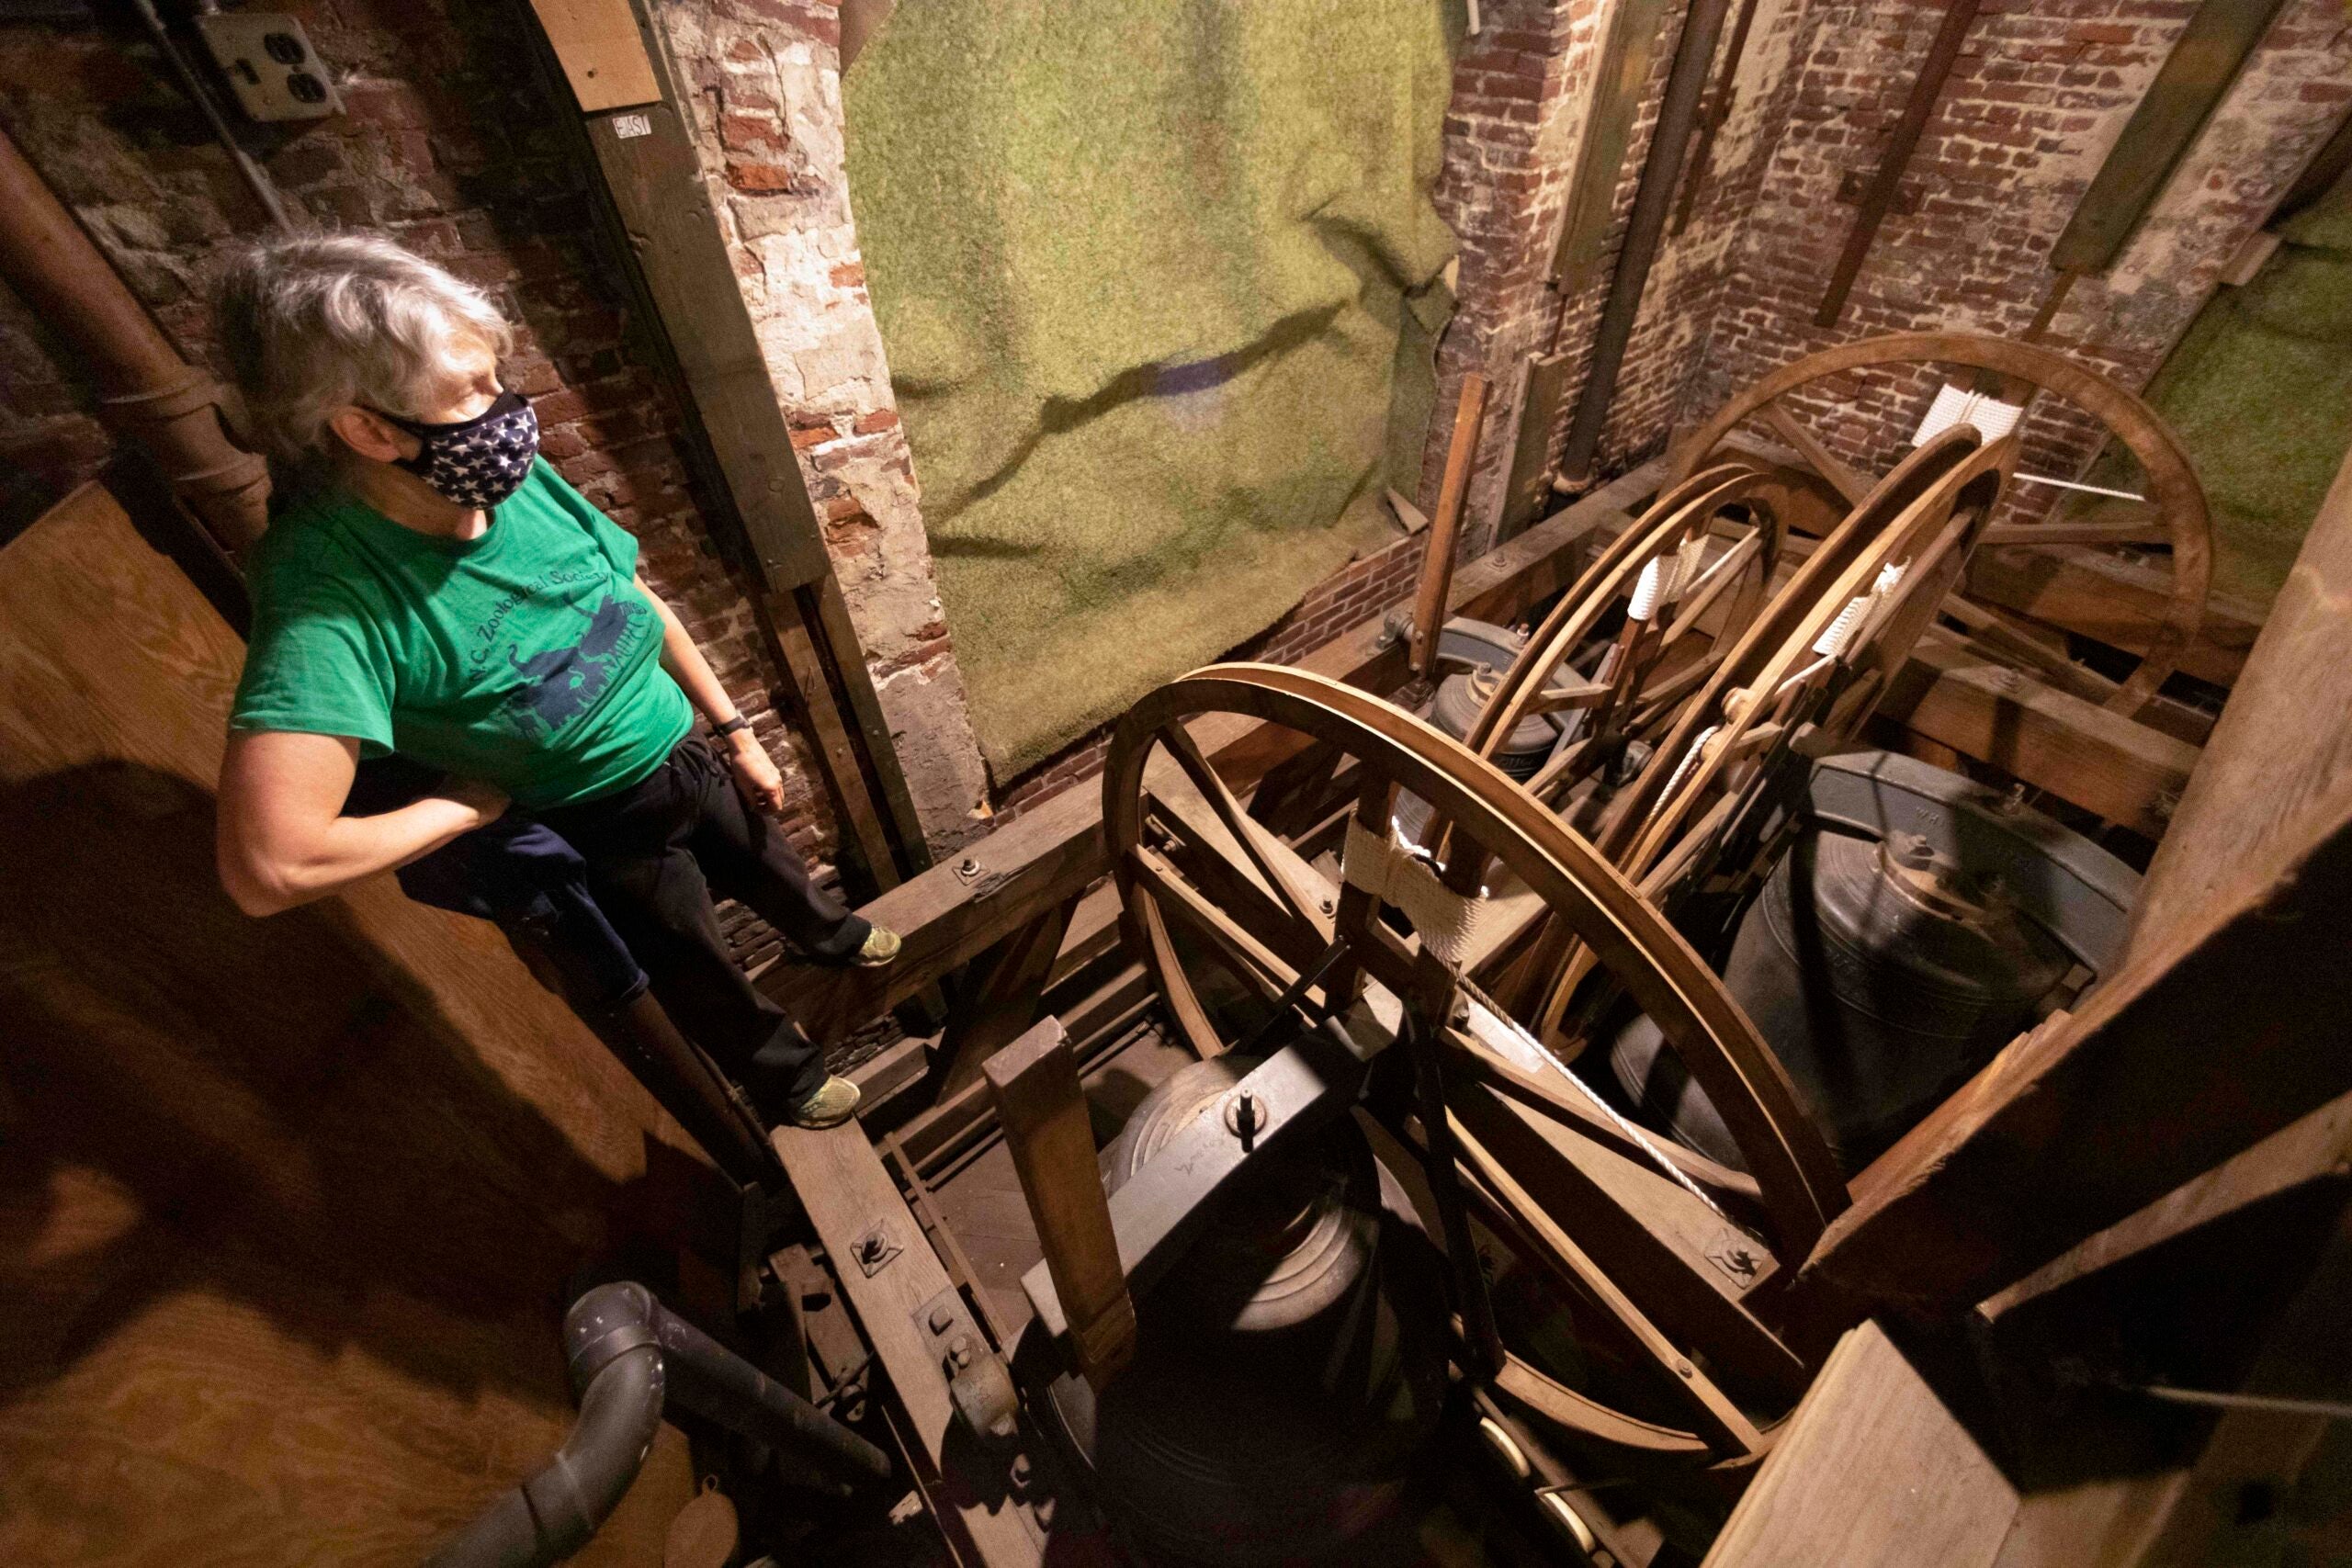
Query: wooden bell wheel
x: 1511, y: 1132
x: 1658, y: 570
x: 2166, y: 510
x: 1804, y: 677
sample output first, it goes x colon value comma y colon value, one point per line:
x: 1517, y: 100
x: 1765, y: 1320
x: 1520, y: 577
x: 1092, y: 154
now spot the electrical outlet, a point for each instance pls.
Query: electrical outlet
x: 268, y: 58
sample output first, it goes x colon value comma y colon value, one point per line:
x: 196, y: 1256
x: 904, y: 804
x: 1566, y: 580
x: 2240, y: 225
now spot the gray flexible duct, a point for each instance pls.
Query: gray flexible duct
x: 627, y: 1352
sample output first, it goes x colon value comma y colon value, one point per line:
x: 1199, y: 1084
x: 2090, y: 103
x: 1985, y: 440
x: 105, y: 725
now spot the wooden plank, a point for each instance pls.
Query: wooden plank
x: 2114, y: 600
x: 2194, y: 75
x: 596, y: 42
x: 1005, y: 1001
x: 955, y: 911
x: 850, y: 1199
x: 836, y: 756
x: 1529, y: 489
x: 1871, y: 1470
x: 1445, y: 524
x: 2282, y: 742
x: 1034, y: 1084
x: 1943, y: 52
x: 1621, y: 80
x: 2126, y: 771
x: 2317, y: 1149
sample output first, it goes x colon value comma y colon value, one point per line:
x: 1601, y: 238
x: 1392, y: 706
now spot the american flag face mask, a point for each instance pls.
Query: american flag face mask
x: 479, y: 461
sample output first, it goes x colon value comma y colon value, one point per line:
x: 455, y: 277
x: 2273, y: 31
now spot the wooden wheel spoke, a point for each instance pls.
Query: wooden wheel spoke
x: 1178, y: 899
x: 2144, y: 532
x: 1304, y: 895
x: 1849, y: 484
x: 1711, y: 1410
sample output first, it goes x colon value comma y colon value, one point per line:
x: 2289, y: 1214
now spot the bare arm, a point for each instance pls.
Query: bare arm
x: 755, y: 770
x: 284, y: 839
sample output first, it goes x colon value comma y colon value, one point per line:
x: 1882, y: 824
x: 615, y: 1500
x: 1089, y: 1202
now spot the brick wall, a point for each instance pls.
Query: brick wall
x: 764, y: 82
x: 450, y: 144
x: 2040, y: 94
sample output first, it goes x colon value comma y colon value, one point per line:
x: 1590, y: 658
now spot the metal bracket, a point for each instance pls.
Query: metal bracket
x: 875, y: 1249
x: 976, y: 1380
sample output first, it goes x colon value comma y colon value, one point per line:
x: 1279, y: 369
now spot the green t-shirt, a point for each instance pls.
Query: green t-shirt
x: 528, y: 658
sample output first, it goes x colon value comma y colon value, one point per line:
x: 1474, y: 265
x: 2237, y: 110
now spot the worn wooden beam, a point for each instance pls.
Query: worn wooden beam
x: 895, y: 1282
x: 1034, y: 1084
x: 1004, y: 998
x: 2282, y: 742
x: 2111, y: 601
x: 956, y: 910
x: 2083, y: 754
x: 2194, y: 77
x: 1620, y: 79
x: 1446, y: 524
x: 1529, y: 489
x: 1878, y: 197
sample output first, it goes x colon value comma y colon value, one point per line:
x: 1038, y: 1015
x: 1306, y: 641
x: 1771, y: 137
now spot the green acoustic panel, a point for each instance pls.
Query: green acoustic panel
x: 1626, y: 57
x: 1158, y: 281
x: 2194, y: 75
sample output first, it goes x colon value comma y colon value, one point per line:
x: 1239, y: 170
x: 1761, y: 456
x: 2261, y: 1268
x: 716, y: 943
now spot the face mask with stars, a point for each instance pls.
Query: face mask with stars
x: 479, y: 461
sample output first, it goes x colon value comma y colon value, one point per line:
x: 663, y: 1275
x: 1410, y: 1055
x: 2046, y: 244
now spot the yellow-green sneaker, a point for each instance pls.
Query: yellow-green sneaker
x: 829, y: 1104
x: 881, y: 946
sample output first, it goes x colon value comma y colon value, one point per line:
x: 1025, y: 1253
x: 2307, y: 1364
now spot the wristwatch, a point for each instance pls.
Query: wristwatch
x: 731, y: 726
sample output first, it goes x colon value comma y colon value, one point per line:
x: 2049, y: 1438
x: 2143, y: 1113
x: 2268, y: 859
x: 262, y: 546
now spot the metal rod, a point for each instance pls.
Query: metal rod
x: 250, y: 172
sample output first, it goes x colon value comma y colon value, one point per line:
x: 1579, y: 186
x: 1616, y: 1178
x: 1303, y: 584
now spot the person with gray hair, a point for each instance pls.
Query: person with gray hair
x: 433, y: 589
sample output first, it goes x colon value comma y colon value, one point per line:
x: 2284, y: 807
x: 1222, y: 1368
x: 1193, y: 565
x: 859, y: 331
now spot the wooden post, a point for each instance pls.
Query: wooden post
x: 1035, y: 1081
x: 1445, y: 526
x: 1880, y: 196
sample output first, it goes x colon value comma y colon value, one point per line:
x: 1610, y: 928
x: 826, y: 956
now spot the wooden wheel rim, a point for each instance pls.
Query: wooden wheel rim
x: 2172, y: 485
x: 1682, y: 509
x: 1795, y: 1173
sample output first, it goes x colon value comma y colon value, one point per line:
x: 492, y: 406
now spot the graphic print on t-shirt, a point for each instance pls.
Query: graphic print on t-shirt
x: 561, y: 684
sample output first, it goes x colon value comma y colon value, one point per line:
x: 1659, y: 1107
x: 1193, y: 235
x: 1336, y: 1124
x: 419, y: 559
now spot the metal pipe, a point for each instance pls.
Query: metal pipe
x: 553, y: 1512
x: 146, y: 390
x: 1661, y: 171
x: 247, y: 170
x: 627, y: 1353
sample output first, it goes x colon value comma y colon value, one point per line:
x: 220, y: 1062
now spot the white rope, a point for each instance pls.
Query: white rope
x: 1448, y: 923
x: 2057, y: 483
x: 1654, y: 584
x: 1689, y: 759
x: 1687, y: 561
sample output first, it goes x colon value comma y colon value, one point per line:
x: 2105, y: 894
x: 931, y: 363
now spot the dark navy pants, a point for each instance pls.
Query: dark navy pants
x: 656, y: 851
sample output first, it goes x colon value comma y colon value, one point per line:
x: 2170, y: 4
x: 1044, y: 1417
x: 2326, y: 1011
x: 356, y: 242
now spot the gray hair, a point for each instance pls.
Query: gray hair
x: 310, y: 323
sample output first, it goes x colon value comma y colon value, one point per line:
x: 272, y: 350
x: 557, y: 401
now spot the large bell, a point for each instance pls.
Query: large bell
x: 1881, y: 974
x: 1286, y: 1370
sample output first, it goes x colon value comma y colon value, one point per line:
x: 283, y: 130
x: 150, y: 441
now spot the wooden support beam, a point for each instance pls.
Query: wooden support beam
x: 2194, y: 77
x: 1445, y: 524
x: 1003, y: 999
x: 954, y: 912
x: 1034, y: 1084
x: 2111, y: 601
x: 2083, y: 754
x: 1621, y: 79
x: 1878, y: 199
x: 895, y: 1282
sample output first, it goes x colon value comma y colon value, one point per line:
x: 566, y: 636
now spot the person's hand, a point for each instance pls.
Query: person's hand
x: 755, y: 771
x: 488, y: 802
